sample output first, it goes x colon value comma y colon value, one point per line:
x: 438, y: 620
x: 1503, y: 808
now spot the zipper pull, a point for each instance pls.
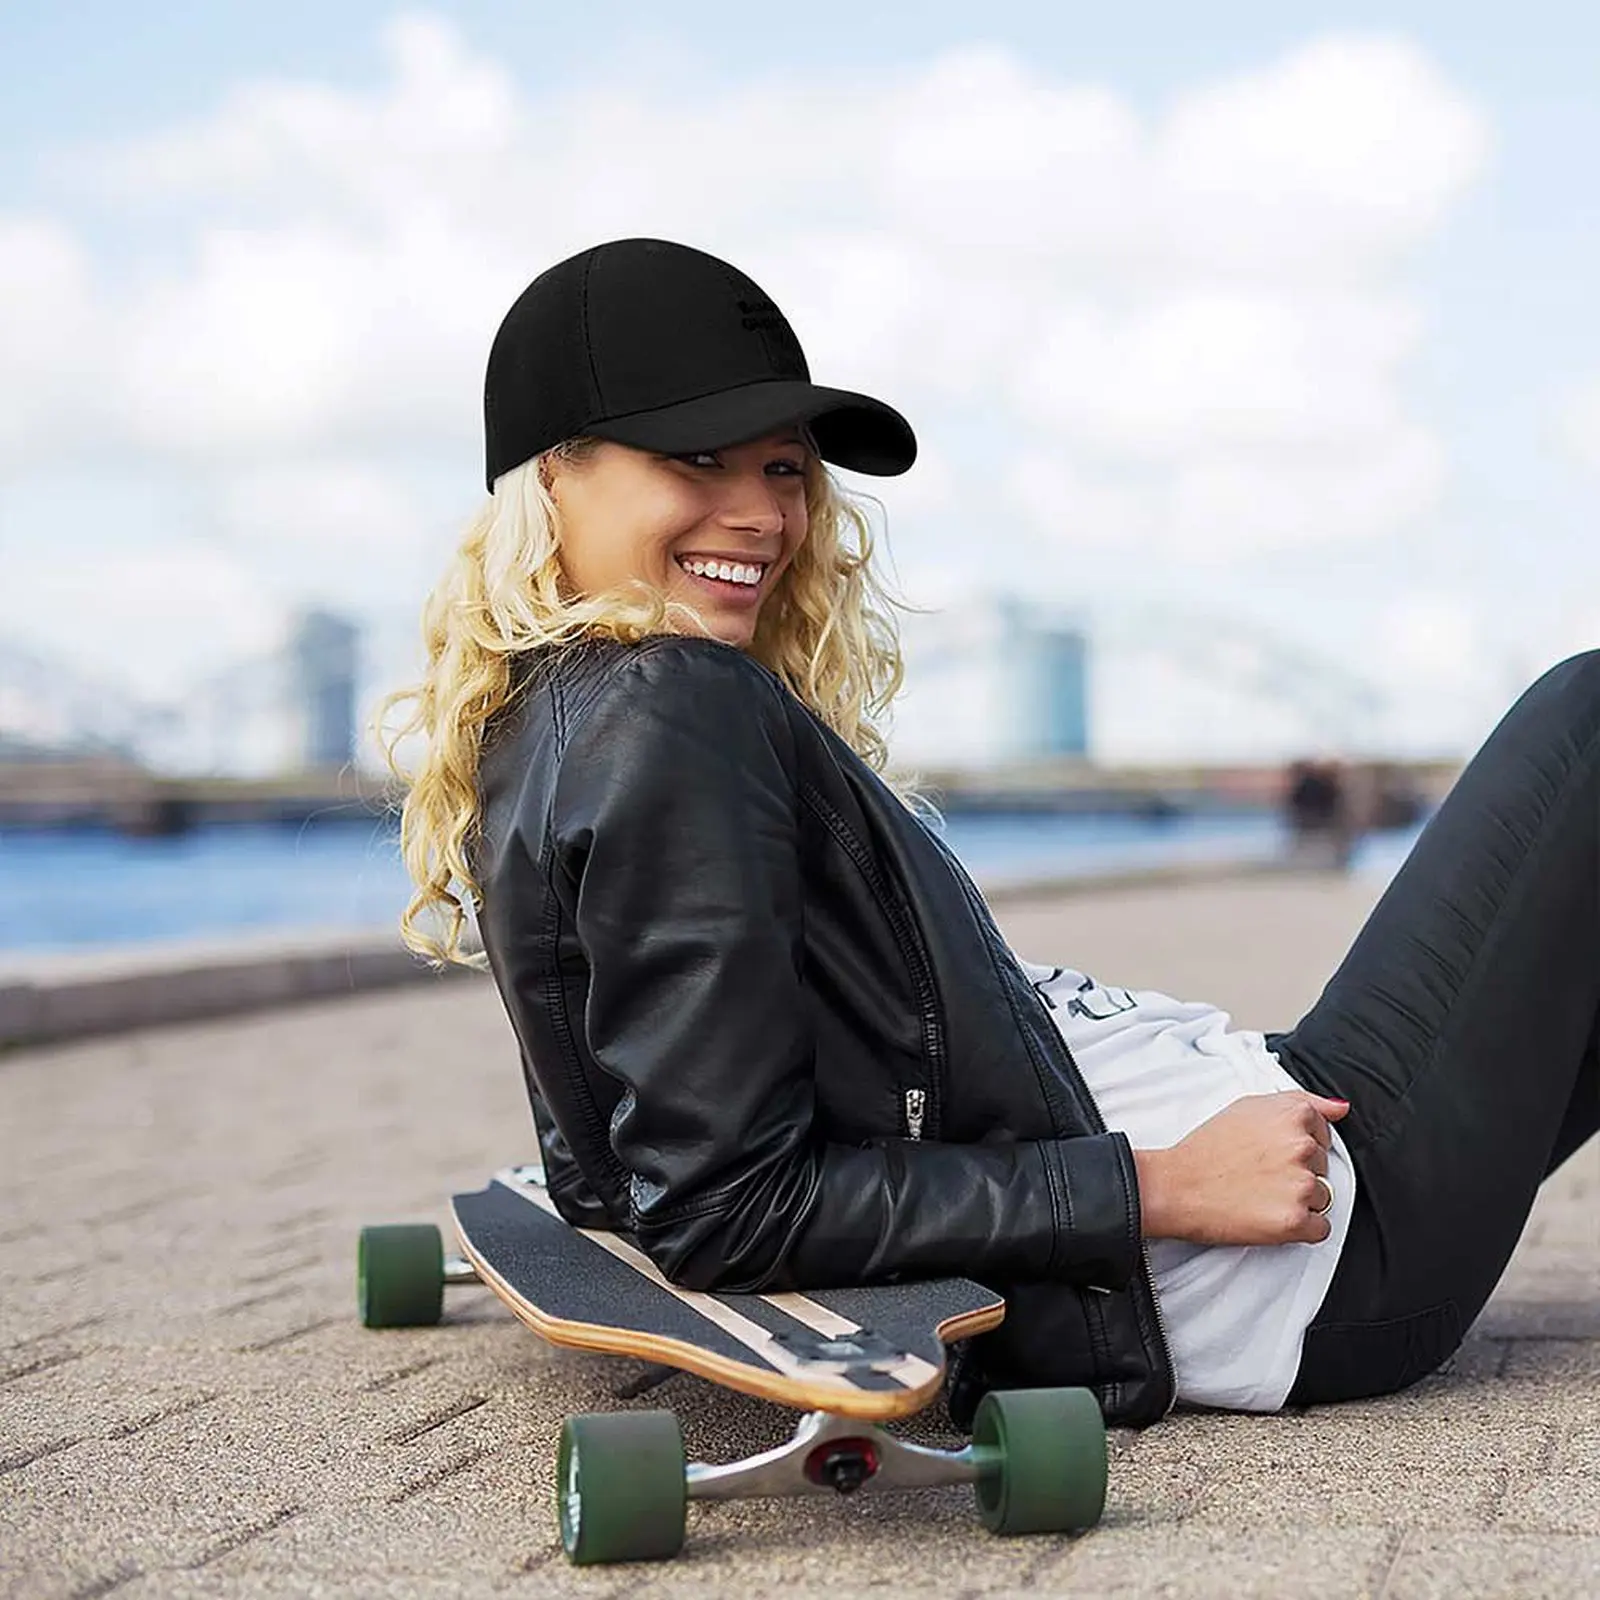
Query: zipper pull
x: 916, y: 1106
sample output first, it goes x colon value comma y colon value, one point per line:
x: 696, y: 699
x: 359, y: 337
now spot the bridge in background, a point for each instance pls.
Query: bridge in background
x: 102, y: 792
x: 105, y: 792
x: 107, y: 780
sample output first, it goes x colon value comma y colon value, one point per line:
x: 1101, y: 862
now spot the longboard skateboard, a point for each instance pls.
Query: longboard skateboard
x: 852, y: 1359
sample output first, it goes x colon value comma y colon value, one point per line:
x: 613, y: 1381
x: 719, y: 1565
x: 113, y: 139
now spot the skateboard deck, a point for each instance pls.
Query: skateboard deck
x: 872, y: 1353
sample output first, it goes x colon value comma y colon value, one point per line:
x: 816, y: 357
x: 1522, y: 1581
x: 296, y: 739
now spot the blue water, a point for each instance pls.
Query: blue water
x: 71, y: 890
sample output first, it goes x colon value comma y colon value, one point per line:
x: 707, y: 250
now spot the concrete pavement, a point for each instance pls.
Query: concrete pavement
x: 188, y: 1406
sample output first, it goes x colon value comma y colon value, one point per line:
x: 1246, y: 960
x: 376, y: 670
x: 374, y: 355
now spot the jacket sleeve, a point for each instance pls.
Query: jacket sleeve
x: 676, y: 834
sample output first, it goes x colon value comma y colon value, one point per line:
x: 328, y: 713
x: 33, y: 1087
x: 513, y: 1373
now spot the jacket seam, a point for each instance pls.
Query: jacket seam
x: 907, y: 937
x: 554, y: 987
x: 558, y: 714
x: 568, y: 718
x: 1110, y: 1387
x: 561, y: 1021
x: 1060, y: 1208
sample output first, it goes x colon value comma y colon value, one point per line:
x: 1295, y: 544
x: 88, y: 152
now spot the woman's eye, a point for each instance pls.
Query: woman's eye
x: 781, y: 467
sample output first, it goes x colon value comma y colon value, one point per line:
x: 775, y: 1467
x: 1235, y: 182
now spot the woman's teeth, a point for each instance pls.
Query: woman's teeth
x: 727, y: 571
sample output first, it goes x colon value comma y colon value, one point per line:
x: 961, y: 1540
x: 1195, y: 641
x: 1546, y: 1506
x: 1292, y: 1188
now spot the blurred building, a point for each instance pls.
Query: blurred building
x: 1052, y: 669
x: 324, y: 650
x: 996, y: 679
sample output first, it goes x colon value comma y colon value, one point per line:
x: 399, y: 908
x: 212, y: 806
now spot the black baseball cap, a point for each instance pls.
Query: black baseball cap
x: 666, y: 348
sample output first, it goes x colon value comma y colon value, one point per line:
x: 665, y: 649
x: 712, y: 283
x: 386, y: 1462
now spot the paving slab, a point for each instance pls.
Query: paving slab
x: 188, y: 1406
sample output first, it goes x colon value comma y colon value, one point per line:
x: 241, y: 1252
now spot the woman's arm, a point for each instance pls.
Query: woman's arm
x: 676, y: 823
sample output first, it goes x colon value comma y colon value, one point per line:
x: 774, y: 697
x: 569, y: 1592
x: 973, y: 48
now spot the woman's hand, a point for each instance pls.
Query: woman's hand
x: 1248, y: 1175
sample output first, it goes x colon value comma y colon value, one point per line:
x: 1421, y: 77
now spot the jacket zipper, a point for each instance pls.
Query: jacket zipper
x: 1096, y: 1121
x: 1161, y: 1323
x: 916, y: 1109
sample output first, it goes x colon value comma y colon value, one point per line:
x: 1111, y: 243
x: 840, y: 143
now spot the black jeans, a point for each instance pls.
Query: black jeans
x: 1462, y: 1027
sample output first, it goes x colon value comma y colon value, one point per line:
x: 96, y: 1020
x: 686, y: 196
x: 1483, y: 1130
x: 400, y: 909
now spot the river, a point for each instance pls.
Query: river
x: 71, y: 890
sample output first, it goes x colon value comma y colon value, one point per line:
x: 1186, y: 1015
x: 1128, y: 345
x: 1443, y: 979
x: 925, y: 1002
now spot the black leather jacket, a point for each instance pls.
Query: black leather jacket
x: 770, y: 1029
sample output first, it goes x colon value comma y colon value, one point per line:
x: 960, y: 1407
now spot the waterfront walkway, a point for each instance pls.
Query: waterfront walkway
x: 188, y: 1406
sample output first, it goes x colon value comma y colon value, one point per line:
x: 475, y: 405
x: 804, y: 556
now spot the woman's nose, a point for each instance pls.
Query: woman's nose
x: 752, y: 501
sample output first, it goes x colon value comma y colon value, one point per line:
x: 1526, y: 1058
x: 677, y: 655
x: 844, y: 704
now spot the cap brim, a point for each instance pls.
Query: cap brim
x: 851, y: 430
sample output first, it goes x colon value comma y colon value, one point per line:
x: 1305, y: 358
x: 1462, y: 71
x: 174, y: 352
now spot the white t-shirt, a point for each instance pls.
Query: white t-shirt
x: 1235, y: 1316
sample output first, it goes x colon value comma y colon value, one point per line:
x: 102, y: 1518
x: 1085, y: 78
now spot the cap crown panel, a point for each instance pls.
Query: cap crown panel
x: 686, y: 326
x: 541, y: 387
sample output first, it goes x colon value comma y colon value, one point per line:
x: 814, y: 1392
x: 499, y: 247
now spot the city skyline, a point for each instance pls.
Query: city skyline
x: 1000, y: 680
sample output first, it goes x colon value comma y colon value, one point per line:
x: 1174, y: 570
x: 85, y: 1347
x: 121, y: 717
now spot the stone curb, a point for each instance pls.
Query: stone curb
x: 64, y: 996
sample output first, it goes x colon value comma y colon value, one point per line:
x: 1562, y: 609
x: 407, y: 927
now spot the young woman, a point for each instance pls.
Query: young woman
x: 768, y: 1026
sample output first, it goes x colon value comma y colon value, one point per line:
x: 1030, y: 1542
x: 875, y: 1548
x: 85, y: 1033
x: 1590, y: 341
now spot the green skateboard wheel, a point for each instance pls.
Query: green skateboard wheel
x: 621, y: 1487
x: 1049, y: 1452
x: 400, y: 1276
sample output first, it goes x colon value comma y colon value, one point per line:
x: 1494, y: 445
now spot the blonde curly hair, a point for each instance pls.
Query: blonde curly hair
x: 827, y: 631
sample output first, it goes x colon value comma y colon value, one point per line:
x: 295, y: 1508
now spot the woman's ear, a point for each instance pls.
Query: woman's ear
x: 559, y: 460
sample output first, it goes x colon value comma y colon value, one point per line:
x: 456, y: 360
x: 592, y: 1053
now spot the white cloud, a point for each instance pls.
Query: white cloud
x: 1429, y: 638
x: 1330, y: 164
x: 1226, y: 504
x: 1236, y: 368
x: 297, y: 338
x: 1572, y: 628
x: 1578, y: 423
x: 1083, y: 512
x: 154, y: 621
x: 341, y: 505
x: 288, y: 147
x: 50, y: 327
x: 1171, y: 337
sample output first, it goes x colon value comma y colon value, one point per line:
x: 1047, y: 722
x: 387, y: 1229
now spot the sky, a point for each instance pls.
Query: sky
x: 1256, y: 337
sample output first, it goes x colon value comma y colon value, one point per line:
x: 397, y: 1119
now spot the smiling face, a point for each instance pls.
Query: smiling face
x: 715, y: 528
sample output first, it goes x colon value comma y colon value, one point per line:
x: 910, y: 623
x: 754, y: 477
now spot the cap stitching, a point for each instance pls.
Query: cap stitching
x: 588, y: 343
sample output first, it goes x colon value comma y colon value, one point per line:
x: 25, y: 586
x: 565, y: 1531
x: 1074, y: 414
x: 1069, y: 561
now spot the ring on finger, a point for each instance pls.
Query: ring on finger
x: 1327, y: 1205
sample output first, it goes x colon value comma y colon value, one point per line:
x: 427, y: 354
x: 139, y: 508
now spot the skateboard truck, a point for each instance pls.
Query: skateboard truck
x: 458, y: 1271
x: 1037, y: 1464
x: 836, y: 1455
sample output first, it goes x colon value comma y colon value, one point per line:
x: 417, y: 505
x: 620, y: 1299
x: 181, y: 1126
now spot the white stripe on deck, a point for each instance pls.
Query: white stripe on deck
x: 910, y: 1370
x: 750, y: 1334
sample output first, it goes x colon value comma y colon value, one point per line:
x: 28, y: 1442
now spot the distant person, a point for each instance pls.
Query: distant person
x: 1320, y: 814
x: 769, y: 1029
